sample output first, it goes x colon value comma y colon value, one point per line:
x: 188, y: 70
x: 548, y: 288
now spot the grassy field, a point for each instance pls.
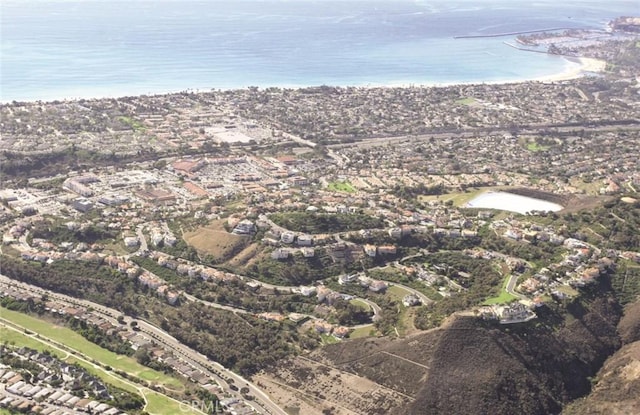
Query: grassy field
x: 397, y: 293
x: 157, y: 403
x: 340, y: 186
x: 360, y: 304
x: 366, y: 331
x: 74, y: 340
x: 161, y: 404
x: 215, y: 240
x: 466, y: 101
x: 504, y: 297
x: 537, y: 147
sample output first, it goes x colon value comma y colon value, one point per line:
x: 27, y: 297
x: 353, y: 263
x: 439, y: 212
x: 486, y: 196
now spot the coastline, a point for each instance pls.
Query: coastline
x: 584, y: 67
x: 575, y: 67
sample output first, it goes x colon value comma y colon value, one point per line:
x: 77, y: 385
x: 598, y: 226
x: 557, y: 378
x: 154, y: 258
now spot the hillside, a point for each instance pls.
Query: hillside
x: 617, y: 390
x: 467, y: 366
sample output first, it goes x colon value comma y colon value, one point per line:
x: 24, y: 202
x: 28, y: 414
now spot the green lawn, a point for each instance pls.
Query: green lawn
x: 157, y: 403
x: 466, y: 101
x: 504, y: 297
x: 366, y: 331
x: 162, y: 405
x: 134, y: 124
x: 328, y: 339
x: 537, y: 147
x: 397, y: 293
x: 360, y: 303
x: 340, y: 186
x: 93, y: 351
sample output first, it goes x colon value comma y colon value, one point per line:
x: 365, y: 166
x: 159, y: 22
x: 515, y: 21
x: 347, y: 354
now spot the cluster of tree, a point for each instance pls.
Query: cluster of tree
x: 29, y: 306
x: 152, y: 266
x: 94, y: 334
x: 143, y: 356
x: 314, y: 223
x: 125, y: 400
x: 297, y: 270
x: 182, y: 250
x: 78, y: 279
x: 349, y: 314
x: 241, y: 342
x: 244, y: 343
x: 389, y: 318
x: 482, y: 282
x: 413, y: 192
x: 60, y: 233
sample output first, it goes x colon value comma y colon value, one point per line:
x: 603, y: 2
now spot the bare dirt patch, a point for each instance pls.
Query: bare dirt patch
x: 214, y: 239
x: 244, y: 256
x: 312, y: 387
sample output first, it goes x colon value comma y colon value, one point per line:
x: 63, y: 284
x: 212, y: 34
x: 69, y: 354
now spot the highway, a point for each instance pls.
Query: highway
x: 262, y: 403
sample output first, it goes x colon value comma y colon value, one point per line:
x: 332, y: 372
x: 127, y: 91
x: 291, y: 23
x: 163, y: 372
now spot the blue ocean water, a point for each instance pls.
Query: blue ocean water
x: 54, y: 49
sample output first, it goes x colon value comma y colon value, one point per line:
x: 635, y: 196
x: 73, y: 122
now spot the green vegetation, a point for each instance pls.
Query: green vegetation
x: 365, y: 331
x: 315, y: 223
x: 537, y: 147
x: 341, y: 186
x: 134, y: 124
x: 246, y: 344
x: 74, y: 340
x: 58, y: 233
x: 328, y: 339
x: 466, y: 101
x: 393, y: 275
x: 163, y: 405
x: 297, y: 270
x: 397, y: 293
x: 504, y: 297
x: 626, y: 282
x: 481, y: 284
x: 157, y: 403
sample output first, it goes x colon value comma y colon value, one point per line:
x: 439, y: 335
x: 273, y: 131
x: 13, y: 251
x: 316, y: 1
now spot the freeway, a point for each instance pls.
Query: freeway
x: 213, y: 369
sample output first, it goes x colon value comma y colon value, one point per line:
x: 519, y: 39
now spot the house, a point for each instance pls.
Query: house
x: 346, y: 279
x: 244, y: 227
x: 308, y: 252
x: 287, y: 237
x: 395, y: 233
x: 305, y: 240
x: 378, y: 286
x: 387, y: 250
x: 411, y: 300
x: 370, y: 250
x: 131, y: 241
x: 280, y: 253
x: 307, y: 291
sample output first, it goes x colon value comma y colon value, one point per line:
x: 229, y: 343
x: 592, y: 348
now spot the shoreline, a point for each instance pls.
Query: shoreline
x: 575, y: 68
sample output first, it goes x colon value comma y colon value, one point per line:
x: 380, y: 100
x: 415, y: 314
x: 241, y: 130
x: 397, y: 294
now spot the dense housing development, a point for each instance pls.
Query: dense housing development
x: 326, y: 250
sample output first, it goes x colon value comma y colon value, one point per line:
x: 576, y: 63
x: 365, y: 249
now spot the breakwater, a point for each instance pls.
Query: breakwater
x: 522, y: 32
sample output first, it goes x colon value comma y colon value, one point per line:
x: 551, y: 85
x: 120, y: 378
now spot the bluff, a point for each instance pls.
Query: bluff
x: 617, y: 384
x: 480, y: 367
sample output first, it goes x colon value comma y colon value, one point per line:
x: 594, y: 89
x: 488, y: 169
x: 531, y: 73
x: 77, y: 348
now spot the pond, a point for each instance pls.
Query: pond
x: 512, y: 203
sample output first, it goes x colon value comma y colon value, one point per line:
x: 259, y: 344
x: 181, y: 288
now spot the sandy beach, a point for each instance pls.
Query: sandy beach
x: 577, y: 68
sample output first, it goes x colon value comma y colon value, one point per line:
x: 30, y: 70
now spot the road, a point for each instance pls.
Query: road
x: 511, y: 285
x: 190, y: 356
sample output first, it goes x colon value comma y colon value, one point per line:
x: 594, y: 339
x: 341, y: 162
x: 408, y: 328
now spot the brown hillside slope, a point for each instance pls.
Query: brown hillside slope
x: 466, y: 367
x: 629, y: 326
x: 617, y: 391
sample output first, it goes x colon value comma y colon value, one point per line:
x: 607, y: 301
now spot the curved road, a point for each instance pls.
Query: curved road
x: 189, y: 355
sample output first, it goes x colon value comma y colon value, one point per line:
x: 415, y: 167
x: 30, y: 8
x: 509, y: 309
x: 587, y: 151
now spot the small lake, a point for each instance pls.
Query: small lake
x: 512, y: 203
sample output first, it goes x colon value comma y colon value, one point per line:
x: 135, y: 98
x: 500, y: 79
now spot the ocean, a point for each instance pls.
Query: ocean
x: 56, y: 49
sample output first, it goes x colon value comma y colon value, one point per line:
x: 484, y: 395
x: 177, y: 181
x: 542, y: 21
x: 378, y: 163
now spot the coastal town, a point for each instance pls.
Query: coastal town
x: 302, y: 217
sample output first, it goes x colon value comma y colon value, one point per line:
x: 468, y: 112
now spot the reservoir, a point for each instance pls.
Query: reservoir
x: 512, y: 203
